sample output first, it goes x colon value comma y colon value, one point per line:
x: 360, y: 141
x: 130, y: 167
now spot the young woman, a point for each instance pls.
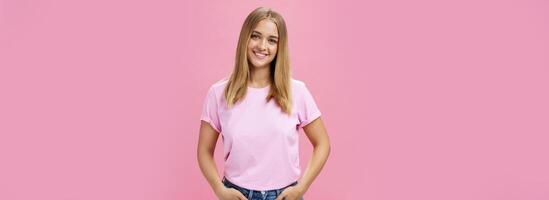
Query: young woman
x: 258, y: 111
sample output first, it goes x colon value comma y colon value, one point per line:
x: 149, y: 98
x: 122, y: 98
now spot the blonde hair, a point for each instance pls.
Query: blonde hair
x: 280, y: 66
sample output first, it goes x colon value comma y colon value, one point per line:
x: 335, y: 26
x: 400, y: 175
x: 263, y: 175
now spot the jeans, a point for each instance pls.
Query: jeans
x: 255, y: 194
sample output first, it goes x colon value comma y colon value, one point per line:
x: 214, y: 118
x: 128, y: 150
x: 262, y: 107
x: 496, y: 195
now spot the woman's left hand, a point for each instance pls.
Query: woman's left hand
x: 291, y: 193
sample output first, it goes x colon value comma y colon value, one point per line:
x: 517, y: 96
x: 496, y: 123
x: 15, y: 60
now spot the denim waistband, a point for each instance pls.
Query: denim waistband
x: 278, y: 191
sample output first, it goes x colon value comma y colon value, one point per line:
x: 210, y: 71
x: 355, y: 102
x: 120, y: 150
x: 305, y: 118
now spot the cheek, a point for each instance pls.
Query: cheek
x: 250, y: 50
x: 274, y: 51
x: 251, y: 44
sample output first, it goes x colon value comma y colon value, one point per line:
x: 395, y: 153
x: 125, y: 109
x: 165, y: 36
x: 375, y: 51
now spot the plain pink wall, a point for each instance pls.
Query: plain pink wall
x: 422, y: 99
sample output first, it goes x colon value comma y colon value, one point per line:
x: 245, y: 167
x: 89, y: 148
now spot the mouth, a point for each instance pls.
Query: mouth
x: 260, y: 55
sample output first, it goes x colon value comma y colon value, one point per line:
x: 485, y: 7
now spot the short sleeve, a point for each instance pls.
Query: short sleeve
x: 307, y: 108
x: 210, y: 110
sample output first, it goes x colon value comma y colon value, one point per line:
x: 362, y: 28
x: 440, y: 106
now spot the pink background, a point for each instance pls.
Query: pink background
x: 423, y: 100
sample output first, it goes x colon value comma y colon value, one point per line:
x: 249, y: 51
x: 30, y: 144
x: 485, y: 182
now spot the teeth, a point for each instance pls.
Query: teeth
x: 260, y: 55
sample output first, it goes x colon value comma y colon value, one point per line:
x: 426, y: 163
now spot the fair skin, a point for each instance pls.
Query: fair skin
x: 262, y: 49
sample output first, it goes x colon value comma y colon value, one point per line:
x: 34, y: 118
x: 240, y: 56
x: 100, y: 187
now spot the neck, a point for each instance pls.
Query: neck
x: 260, y: 77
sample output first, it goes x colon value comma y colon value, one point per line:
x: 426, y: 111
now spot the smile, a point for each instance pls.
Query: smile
x: 260, y: 55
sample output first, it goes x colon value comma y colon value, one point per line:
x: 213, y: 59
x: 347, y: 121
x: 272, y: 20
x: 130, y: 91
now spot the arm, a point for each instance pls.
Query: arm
x: 318, y: 137
x: 205, y: 155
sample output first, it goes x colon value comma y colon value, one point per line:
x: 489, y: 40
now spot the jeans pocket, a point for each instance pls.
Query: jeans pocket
x: 238, y: 188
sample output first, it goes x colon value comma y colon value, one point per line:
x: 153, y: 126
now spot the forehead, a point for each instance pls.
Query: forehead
x: 266, y: 27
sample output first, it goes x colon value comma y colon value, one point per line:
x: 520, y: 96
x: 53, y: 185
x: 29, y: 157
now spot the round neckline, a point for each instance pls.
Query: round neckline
x: 260, y: 88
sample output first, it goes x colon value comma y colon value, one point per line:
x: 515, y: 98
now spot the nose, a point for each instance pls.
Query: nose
x: 262, y: 45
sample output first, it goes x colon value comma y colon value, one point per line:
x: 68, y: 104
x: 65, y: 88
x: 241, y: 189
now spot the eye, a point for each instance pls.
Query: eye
x: 255, y: 36
x: 273, y: 41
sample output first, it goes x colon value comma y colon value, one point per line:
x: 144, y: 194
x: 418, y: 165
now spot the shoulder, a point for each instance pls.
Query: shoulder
x: 297, y: 84
x: 298, y: 87
x: 299, y: 90
x: 219, y: 86
x: 215, y: 91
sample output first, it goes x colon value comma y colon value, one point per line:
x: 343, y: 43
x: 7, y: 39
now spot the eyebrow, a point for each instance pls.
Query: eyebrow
x: 272, y: 36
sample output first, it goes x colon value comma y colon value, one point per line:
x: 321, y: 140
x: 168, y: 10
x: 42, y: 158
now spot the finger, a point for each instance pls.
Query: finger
x: 235, y: 190
x: 237, y: 194
x: 281, y: 196
x: 241, y: 196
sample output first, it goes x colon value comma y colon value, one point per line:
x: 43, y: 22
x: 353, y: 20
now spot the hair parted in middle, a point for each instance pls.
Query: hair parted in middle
x: 237, y: 85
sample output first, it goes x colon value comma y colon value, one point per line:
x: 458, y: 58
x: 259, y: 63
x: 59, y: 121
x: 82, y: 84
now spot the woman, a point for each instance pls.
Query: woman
x: 258, y: 111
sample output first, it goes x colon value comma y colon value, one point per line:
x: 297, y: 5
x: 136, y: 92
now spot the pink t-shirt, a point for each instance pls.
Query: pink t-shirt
x: 260, y: 142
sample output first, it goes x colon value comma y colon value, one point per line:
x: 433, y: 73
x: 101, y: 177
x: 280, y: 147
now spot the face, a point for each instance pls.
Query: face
x: 263, y: 44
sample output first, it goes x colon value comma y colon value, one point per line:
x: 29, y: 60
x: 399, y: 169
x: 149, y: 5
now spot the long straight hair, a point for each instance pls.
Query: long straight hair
x: 280, y: 66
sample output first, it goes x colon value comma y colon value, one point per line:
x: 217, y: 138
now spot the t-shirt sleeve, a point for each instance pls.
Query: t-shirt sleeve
x: 210, y: 110
x: 307, y: 109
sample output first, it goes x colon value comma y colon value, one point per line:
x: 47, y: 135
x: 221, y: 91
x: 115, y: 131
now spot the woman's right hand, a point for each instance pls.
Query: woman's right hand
x: 230, y: 194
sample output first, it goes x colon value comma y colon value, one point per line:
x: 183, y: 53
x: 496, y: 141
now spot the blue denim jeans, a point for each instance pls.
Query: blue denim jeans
x: 255, y: 194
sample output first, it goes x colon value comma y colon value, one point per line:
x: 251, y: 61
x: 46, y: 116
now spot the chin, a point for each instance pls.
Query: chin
x: 260, y: 64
